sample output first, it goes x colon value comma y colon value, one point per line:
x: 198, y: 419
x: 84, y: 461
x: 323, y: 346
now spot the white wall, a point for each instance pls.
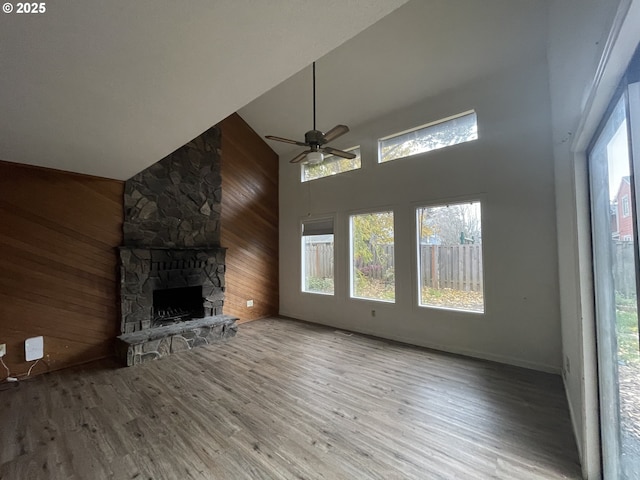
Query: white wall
x: 510, y: 168
x: 582, y: 38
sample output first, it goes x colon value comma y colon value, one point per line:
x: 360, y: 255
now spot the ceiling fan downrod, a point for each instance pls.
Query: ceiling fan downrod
x: 316, y: 140
x: 314, y: 95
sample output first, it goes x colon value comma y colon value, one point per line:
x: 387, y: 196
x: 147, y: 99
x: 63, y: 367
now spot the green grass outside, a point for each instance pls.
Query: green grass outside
x: 627, y: 330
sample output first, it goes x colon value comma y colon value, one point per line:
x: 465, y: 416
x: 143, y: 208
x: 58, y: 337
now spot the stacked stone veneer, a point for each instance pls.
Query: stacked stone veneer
x: 145, y: 270
x: 176, y: 202
x: 159, y: 342
x: 172, y: 240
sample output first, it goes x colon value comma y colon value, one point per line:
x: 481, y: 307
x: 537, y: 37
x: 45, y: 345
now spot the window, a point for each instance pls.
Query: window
x: 625, y: 206
x: 332, y: 165
x: 317, y: 256
x: 450, y: 256
x: 443, y: 133
x: 372, y: 257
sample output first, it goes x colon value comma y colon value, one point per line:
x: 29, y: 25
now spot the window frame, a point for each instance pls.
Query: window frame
x: 350, y: 260
x: 302, y: 257
x: 625, y: 206
x: 423, y: 127
x: 416, y: 260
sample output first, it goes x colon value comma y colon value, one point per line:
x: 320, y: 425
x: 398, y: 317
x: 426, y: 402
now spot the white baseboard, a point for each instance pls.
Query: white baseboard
x: 517, y: 362
x: 572, y: 416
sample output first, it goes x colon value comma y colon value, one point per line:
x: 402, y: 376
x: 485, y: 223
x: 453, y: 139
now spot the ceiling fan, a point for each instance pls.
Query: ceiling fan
x: 317, y: 140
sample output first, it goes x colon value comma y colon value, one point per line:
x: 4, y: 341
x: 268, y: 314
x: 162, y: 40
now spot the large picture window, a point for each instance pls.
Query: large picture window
x: 450, y: 256
x: 372, y: 256
x: 317, y: 256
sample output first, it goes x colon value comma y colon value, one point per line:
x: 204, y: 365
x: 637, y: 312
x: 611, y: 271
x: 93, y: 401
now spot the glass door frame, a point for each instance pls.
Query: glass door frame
x: 605, y: 303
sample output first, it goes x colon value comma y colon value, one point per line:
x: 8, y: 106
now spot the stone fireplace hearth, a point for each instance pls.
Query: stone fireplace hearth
x: 152, y: 332
x: 172, y: 267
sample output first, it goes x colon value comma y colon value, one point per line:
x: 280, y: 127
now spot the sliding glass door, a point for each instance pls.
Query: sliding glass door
x: 614, y: 204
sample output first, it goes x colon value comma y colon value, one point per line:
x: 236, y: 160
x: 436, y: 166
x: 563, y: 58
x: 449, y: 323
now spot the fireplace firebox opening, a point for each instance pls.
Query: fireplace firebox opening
x: 173, y: 305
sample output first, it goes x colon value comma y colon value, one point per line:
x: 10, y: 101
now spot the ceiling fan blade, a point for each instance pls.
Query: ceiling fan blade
x: 286, y: 140
x: 299, y: 157
x: 335, y: 132
x: 338, y: 153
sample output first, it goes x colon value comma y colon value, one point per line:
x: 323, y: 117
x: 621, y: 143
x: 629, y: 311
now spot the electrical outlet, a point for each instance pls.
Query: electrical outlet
x: 373, y: 313
x: 3, y: 349
x: 249, y: 303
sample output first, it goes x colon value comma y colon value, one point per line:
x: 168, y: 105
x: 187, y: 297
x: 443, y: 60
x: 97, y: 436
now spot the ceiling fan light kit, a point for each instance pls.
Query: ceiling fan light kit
x: 316, y: 140
x: 314, y: 158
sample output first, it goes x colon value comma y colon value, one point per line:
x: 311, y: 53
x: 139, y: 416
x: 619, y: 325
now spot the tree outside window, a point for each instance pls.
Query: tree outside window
x: 372, y: 256
x: 444, y: 133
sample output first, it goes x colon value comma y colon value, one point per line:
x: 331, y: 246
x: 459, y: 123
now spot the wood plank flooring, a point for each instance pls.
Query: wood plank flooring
x: 289, y: 400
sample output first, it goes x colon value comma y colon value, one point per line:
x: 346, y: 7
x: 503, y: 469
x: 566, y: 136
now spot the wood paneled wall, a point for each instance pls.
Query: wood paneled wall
x: 58, y: 265
x: 249, y: 225
x: 58, y: 261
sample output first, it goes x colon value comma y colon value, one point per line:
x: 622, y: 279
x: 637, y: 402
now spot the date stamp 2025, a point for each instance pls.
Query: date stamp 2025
x: 24, y: 7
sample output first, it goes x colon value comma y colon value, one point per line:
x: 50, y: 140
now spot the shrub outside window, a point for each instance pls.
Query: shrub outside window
x: 317, y: 256
x: 450, y: 273
x: 443, y: 133
x: 332, y: 165
x: 372, y: 256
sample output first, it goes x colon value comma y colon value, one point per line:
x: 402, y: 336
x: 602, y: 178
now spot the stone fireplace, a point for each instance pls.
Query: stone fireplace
x: 171, y: 266
x: 154, y: 272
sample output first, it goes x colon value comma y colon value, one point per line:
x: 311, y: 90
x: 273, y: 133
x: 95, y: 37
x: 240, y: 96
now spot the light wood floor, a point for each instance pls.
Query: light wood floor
x: 289, y: 400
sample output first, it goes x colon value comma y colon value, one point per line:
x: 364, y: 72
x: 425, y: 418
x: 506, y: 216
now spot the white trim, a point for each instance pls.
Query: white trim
x: 572, y: 416
x: 350, y: 278
x: 621, y: 43
x: 301, y: 254
x: 623, y: 39
x: 417, y: 260
x: 626, y: 207
x: 426, y: 125
x: 425, y: 128
x: 541, y: 367
x: 589, y: 448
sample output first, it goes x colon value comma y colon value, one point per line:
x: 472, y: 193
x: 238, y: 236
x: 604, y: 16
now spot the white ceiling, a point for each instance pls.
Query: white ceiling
x: 110, y: 87
x: 420, y: 50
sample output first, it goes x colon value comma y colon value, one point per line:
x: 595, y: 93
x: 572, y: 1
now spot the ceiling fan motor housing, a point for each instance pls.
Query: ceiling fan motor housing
x: 314, y: 137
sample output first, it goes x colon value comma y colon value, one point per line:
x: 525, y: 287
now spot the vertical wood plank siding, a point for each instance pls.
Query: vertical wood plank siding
x: 249, y: 227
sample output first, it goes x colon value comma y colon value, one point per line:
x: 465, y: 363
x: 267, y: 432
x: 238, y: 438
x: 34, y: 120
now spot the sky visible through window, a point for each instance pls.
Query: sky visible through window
x: 463, y: 128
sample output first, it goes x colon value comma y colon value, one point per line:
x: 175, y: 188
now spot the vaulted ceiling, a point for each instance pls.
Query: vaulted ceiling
x: 420, y: 50
x: 110, y: 87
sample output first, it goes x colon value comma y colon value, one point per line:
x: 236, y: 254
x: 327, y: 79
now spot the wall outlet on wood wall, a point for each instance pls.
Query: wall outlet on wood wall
x: 3, y: 349
x: 249, y: 303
